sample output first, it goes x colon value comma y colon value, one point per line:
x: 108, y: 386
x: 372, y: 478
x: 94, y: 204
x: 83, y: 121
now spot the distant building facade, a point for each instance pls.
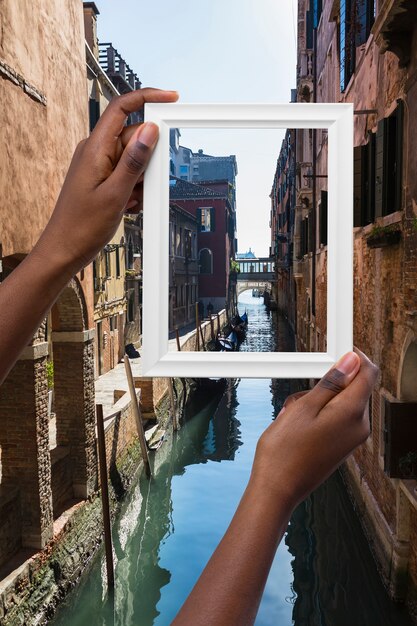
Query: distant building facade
x: 183, y: 267
x: 282, y: 223
x: 216, y: 237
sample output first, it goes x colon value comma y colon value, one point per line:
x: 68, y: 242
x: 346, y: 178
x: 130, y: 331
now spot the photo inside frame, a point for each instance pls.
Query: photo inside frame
x: 247, y: 216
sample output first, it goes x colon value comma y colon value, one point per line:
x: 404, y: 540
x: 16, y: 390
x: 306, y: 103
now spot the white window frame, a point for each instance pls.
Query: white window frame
x: 157, y: 357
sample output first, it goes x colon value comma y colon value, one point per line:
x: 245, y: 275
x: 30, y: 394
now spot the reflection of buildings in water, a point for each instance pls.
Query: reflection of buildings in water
x: 342, y: 591
x: 213, y: 434
x: 223, y: 437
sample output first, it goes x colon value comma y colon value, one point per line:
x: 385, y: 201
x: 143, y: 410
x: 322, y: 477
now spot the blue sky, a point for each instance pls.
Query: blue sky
x: 217, y: 51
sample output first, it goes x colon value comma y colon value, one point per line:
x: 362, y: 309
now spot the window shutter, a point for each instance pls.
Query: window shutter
x: 94, y: 112
x: 379, y: 169
x: 357, y: 195
x: 369, y: 180
x: 198, y: 220
x: 323, y: 218
x: 309, y: 30
x: 399, y: 156
x: 311, y: 234
x: 212, y: 219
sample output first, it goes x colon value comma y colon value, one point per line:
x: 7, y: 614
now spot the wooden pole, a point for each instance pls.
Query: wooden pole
x: 197, y: 336
x: 212, y: 326
x: 138, y: 416
x: 218, y: 324
x: 105, y: 496
x: 202, y: 337
x: 177, y: 335
x: 172, y: 403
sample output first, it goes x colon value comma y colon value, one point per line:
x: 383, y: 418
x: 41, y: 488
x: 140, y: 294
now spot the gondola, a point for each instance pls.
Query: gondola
x: 227, y: 344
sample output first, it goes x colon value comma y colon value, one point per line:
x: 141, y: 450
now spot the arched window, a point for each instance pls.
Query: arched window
x: 206, y: 261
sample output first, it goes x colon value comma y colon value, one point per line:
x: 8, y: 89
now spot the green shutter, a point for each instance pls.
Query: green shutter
x: 370, y: 180
x: 198, y: 220
x: 212, y: 219
x: 379, y: 169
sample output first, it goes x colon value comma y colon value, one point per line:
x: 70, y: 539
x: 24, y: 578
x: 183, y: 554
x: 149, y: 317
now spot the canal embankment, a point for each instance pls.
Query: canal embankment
x: 33, y: 584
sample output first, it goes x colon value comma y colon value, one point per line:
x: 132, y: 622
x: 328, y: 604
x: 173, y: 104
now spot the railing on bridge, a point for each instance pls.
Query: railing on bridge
x: 262, y: 269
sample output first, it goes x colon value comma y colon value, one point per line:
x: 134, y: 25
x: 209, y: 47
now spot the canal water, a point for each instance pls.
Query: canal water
x: 323, y: 573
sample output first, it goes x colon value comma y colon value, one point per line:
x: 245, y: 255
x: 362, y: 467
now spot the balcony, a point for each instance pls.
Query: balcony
x: 121, y: 75
x: 394, y: 26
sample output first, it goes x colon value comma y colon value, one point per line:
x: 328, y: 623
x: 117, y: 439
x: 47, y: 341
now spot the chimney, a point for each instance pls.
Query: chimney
x: 90, y: 26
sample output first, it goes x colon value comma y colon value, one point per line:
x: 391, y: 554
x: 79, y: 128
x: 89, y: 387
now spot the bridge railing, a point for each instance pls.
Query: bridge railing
x: 256, y: 266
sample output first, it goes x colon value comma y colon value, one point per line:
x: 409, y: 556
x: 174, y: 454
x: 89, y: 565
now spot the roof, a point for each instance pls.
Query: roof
x: 246, y: 255
x: 178, y: 209
x: 181, y: 189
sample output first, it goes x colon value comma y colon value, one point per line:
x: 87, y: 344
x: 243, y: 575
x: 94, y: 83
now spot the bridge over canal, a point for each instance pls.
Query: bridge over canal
x: 255, y: 274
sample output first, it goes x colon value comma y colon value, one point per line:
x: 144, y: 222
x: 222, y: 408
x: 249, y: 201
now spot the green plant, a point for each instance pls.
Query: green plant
x: 415, y: 223
x: 234, y: 266
x: 50, y: 374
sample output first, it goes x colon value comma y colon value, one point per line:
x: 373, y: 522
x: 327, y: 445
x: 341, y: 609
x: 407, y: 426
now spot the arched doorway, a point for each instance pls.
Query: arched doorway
x: 73, y: 453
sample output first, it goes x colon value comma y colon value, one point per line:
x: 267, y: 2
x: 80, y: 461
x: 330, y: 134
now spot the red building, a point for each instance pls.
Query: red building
x: 210, y: 204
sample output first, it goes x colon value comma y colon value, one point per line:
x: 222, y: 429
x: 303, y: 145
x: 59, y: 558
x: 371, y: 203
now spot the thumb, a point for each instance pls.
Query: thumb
x: 134, y: 159
x: 335, y: 380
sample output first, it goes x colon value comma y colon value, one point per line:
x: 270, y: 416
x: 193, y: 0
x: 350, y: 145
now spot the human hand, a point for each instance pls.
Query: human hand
x: 103, y: 181
x: 316, y: 430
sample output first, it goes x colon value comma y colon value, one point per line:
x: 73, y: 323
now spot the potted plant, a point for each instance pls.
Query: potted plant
x: 383, y: 236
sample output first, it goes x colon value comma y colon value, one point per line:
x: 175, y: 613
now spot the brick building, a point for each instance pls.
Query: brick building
x: 216, y: 223
x: 39, y: 66
x: 365, y: 52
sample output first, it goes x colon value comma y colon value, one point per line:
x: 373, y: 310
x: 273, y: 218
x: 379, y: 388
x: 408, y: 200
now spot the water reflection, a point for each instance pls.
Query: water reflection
x: 146, y: 520
x: 335, y: 578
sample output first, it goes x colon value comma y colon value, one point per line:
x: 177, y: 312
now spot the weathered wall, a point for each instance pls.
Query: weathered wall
x: 44, y: 43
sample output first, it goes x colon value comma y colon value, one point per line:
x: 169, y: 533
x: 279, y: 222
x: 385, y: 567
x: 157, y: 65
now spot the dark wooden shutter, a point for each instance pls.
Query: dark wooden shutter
x: 370, y: 180
x: 309, y: 30
x: 94, y: 112
x: 399, y: 122
x: 400, y: 437
x: 212, y: 219
x: 323, y: 218
x: 357, y: 193
x: 198, y: 216
x: 379, y: 169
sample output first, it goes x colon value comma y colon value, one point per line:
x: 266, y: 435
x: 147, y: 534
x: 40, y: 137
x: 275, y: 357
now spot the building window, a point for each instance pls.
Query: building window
x: 184, y: 172
x: 118, y: 262
x: 347, y: 43
x: 107, y: 262
x: 206, y: 261
x: 94, y: 112
x: 378, y: 171
x: 188, y: 247
x: 130, y: 253
x: 206, y: 219
x: 131, y: 308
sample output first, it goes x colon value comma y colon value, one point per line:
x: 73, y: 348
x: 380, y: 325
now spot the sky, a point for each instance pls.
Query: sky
x: 218, y: 51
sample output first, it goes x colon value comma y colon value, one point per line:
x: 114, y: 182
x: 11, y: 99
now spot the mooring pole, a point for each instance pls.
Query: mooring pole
x: 218, y: 324
x: 105, y: 496
x: 172, y: 403
x: 138, y: 416
x: 177, y: 335
x: 212, y: 326
x: 197, y: 323
x: 202, y: 337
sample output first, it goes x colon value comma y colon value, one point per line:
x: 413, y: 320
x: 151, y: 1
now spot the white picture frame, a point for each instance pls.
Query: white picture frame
x: 157, y: 358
